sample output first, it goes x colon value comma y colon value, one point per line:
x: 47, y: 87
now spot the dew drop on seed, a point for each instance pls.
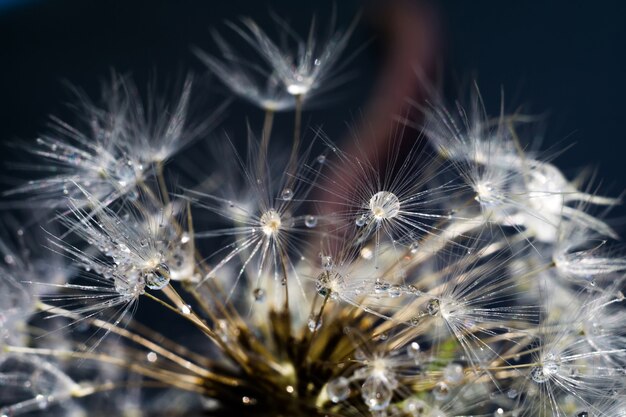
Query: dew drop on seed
x: 376, y: 392
x: 441, y: 391
x: 158, y: 278
x: 384, y: 205
x: 259, y: 294
x: 317, y: 62
x: 413, y: 247
x: 453, y: 373
x: 433, y: 307
x: 338, y: 389
x: 361, y: 220
x: 314, y: 322
x: 582, y: 414
x: 394, y: 291
x: 382, y: 337
x: 367, y: 253
x: 42, y: 401
x: 512, y: 393
x: 310, y: 221
x: 327, y: 263
x: 413, y: 351
x: 414, y: 407
x: 287, y: 194
x: 184, y: 238
x: 498, y: 413
x: 321, y: 159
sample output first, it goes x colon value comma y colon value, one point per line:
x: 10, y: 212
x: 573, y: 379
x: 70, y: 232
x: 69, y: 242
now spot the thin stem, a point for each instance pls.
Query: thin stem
x: 293, y: 159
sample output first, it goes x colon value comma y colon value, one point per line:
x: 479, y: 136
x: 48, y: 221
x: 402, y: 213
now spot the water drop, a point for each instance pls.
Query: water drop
x: 384, y: 205
x: 184, y: 238
x: 453, y: 373
x: 381, y: 286
x: 314, y: 322
x: 42, y: 401
x: 338, y: 389
x: 287, y: 194
x: 327, y: 263
x: 433, y: 307
x: 361, y: 220
x: 413, y: 247
x: 413, y: 351
x: 394, y: 291
x: 498, y: 413
x: 441, y: 391
x: 317, y: 62
x: 158, y: 278
x: 414, y: 407
x: 310, y: 221
x: 321, y: 159
x: 366, y: 253
x: 549, y: 367
x: 259, y: 294
x: 376, y: 392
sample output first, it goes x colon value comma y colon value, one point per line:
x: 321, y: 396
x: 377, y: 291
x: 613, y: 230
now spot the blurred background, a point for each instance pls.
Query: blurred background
x: 562, y: 60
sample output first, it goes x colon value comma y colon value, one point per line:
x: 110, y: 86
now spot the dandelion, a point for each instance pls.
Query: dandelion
x: 460, y: 275
x: 111, y: 147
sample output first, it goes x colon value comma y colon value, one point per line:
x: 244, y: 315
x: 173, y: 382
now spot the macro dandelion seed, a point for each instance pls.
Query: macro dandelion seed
x: 452, y: 271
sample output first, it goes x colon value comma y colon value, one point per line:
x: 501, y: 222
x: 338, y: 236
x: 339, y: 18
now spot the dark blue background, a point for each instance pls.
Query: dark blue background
x: 563, y: 58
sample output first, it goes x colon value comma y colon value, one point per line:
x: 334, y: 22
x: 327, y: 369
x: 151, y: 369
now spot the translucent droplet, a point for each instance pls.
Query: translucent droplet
x: 414, y: 407
x: 433, y: 307
x: 366, y: 253
x: 259, y: 294
x: 582, y: 414
x: 549, y: 367
x: 287, y: 194
x: 317, y: 62
x: 384, y: 205
x: 377, y: 393
x: 310, y: 221
x: 184, y: 238
x: 381, y: 286
x: 361, y: 220
x: 158, y: 278
x: 338, y: 389
x: 512, y: 393
x: 453, y: 373
x: 498, y: 413
x: 327, y: 263
x: 382, y: 337
x: 441, y: 391
x: 413, y: 351
x: 314, y: 322
x: 394, y: 291
x: 321, y: 159
x: 413, y: 247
